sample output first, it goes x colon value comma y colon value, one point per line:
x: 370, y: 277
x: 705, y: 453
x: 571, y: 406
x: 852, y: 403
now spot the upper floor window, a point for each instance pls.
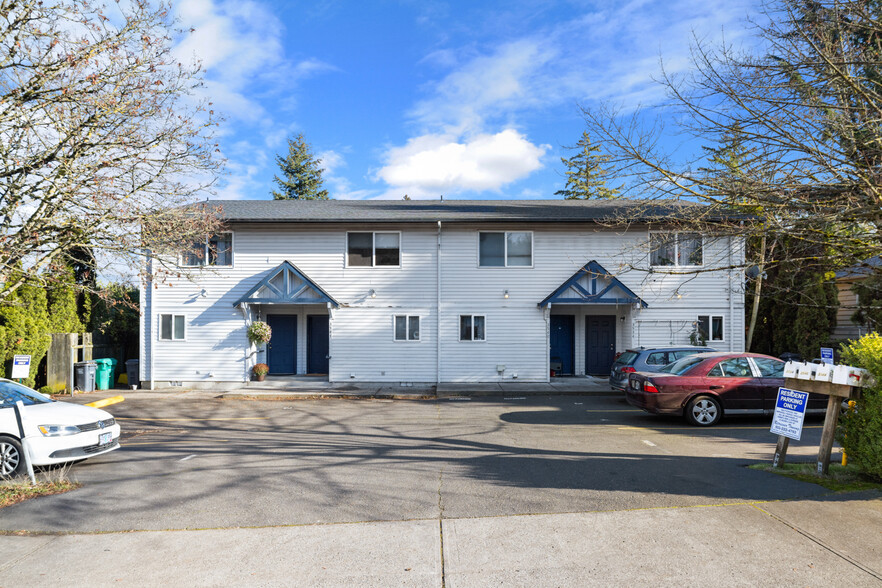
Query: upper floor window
x: 675, y: 249
x: 216, y: 250
x: 373, y: 249
x: 505, y: 249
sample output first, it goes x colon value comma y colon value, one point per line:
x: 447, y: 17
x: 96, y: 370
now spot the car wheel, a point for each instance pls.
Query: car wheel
x: 11, y: 458
x: 704, y: 411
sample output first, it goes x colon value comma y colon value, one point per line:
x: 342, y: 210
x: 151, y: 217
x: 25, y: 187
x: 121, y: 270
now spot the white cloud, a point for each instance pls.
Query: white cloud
x: 484, y: 86
x: 430, y: 165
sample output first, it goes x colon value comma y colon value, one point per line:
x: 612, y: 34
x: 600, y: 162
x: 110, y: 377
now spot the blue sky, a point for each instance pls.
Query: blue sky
x: 469, y: 99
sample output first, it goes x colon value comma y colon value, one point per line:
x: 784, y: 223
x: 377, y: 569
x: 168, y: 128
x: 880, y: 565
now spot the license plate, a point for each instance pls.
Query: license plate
x: 105, y: 438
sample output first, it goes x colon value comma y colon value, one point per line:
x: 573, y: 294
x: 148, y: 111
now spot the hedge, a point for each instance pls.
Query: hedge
x: 860, y: 430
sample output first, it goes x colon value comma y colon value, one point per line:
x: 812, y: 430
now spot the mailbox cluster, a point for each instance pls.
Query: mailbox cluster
x: 822, y: 372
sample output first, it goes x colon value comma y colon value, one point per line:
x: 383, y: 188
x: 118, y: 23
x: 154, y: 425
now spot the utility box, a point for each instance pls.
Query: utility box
x: 84, y: 376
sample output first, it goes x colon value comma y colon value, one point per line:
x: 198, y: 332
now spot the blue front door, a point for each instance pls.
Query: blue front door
x: 281, y: 351
x: 563, y: 338
x: 317, y: 344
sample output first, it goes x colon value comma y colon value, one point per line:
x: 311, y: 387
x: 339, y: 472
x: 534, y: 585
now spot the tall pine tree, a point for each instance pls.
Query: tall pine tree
x: 585, y: 173
x: 301, y: 173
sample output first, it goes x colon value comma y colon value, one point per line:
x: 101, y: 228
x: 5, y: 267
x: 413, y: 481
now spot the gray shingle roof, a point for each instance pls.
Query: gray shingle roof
x: 430, y: 211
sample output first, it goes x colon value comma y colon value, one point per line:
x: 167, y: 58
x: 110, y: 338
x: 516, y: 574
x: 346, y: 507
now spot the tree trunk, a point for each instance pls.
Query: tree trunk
x: 756, y: 295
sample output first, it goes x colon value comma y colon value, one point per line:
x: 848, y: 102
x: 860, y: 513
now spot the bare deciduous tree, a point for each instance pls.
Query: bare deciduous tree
x: 100, y: 135
x: 805, y: 108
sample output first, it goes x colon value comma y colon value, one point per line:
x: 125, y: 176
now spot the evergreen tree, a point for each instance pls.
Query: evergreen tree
x: 24, y: 328
x: 301, y: 173
x: 585, y: 173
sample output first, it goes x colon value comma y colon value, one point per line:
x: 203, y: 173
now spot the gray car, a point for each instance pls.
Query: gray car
x: 645, y: 359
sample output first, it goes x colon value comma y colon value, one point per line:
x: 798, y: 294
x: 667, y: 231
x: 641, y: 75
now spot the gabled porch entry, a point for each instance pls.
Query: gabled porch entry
x: 297, y: 311
x: 583, y: 315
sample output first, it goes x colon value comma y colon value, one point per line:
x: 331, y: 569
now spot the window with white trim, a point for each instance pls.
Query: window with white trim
x: 373, y: 249
x: 472, y: 327
x: 675, y: 249
x: 215, y: 250
x: 407, y: 327
x: 710, y: 327
x: 172, y: 327
x: 505, y: 249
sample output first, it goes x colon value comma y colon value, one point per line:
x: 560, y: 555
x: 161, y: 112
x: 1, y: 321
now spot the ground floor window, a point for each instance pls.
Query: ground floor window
x: 407, y: 328
x: 172, y: 327
x: 710, y: 327
x: 471, y: 327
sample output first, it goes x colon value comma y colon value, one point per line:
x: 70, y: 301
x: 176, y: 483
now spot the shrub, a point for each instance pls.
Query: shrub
x: 259, y: 332
x: 47, y: 390
x: 860, y: 430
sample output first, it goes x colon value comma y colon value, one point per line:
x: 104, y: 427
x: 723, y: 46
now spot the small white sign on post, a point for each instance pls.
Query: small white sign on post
x: 789, y: 413
x: 21, y: 366
x: 827, y: 355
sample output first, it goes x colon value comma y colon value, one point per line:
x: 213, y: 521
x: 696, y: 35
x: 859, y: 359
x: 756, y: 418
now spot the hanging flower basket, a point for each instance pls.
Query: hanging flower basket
x: 259, y: 332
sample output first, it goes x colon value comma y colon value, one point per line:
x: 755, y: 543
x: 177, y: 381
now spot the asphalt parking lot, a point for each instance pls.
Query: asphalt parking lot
x: 551, y: 471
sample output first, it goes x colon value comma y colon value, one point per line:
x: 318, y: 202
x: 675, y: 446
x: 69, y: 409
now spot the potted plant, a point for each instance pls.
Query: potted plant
x: 260, y: 370
x: 259, y: 332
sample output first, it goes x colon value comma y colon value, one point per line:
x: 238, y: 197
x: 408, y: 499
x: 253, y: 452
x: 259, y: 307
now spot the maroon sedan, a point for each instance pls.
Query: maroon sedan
x: 705, y: 386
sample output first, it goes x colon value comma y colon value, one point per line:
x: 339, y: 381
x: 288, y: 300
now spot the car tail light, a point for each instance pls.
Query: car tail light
x: 628, y: 370
x: 647, y: 387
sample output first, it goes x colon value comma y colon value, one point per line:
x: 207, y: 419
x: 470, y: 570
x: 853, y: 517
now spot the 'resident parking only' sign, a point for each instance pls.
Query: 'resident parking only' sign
x: 789, y: 413
x: 21, y: 367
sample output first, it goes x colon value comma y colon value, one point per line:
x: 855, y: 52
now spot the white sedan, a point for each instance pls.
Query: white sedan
x: 57, y: 432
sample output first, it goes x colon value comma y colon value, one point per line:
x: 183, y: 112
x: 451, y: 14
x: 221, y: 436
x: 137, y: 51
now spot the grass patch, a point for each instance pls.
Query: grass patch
x: 15, y: 491
x: 839, y: 478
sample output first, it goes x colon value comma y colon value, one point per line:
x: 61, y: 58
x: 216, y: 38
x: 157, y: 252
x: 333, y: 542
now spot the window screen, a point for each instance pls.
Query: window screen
x: 520, y: 249
x: 689, y: 252
x: 220, y: 249
x: 360, y: 249
x: 663, y: 249
x: 492, y: 249
x: 387, y: 249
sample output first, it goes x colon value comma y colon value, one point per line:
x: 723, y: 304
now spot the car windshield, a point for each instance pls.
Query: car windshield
x: 10, y: 393
x: 681, y: 366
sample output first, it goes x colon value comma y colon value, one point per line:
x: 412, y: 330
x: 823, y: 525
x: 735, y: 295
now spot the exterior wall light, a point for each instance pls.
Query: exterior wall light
x: 505, y: 293
x: 373, y: 293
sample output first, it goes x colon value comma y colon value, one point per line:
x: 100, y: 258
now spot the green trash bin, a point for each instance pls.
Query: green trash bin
x: 104, y: 374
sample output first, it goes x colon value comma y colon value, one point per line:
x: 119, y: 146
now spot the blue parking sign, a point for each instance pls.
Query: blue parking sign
x: 789, y: 413
x: 827, y: 355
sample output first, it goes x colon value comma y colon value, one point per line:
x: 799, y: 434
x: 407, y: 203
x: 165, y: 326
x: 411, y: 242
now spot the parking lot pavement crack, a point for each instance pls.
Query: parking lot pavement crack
x: 821, y: 544
x: 13, y: 562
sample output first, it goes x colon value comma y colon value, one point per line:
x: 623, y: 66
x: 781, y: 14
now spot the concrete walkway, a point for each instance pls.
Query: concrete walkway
x: 305, y: 387
x: 832, y: 541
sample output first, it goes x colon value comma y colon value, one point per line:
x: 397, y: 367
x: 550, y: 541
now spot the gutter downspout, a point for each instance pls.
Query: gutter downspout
x: 438, y: 309
x: 731, y: 299
x: 153, y: 337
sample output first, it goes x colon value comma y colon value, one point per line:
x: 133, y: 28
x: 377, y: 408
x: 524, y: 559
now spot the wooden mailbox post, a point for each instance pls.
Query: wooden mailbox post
x: 835, y: 394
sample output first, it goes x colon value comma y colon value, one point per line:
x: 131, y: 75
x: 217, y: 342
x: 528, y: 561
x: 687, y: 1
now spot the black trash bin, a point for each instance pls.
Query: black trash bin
x: 133, y: 369
x: 84, y: 376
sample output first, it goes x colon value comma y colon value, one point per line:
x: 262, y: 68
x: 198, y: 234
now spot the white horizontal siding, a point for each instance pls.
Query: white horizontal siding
x: 361, y: 343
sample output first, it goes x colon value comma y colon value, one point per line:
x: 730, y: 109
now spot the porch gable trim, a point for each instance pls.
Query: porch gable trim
x: 286, y: 294
x: 593, y: 270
